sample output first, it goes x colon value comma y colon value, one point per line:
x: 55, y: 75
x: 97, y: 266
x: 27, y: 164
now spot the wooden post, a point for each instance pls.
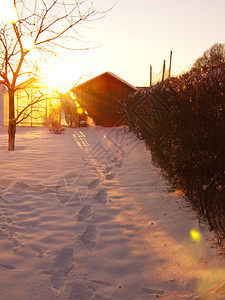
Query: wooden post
x: 150, y: 75
x: 164, y: 68
x: 171, y: 53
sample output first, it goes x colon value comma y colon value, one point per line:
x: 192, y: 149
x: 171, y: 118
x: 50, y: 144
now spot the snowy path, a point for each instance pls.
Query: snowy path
x: 85, y: 215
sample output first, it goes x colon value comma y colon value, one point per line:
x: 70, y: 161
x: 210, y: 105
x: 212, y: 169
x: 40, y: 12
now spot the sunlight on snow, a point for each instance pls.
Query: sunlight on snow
x: 80, y: 140
x: 189, y: 252
x: 212, y: 281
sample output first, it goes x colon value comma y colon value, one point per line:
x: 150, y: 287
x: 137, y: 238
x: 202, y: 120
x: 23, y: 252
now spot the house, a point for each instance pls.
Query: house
x: 100, y: 97
x: 2, y: 89
x: 35, y: 104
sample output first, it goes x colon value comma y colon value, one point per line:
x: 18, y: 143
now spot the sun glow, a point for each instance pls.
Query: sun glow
x: 7, y: 12
x: 28, y: 43
x: 90, y: 121
x: 58, y: 77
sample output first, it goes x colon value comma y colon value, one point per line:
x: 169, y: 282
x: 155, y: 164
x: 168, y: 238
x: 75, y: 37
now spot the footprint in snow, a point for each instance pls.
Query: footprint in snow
x: 62, y: 265
x: 108, y: 169
x: 7, y: 266
x: 101, y: 282
x: 82, y: 290
x: 88, y: 238
x: 94, y: 183
x: 84, y: 213
x: 8, y: 220
x: 110, y: 176
x: 14, y: 242
x: 101, y: 196
x: 1, y: 191
x: 152, y: 292
x: 120, y: 164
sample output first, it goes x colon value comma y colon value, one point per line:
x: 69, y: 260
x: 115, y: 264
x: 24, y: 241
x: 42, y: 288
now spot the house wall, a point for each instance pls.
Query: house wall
x: 1, y: 103
x: 5, y: 109
x: 1, y: 110
x: 37, y: 114
x: 101, y: 98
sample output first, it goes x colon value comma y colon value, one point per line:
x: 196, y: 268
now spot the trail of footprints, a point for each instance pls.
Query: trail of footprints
x: 7, y: 234
x: 87, y: 238
x: 63, y: 263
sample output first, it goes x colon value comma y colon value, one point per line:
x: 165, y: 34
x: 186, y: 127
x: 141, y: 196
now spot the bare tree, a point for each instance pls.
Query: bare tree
x: 47, y: 25
x: 214, y: 56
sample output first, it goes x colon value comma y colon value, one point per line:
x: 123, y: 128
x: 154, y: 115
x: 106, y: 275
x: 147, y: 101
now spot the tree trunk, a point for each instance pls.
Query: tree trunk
x: 11, y: 134
x: 12, y: 122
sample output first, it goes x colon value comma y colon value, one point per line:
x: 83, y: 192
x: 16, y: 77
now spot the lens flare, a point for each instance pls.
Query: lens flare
x: 195, y: 235
x: 212, y: 283
x: 80, y: 111
x: 73, y: 96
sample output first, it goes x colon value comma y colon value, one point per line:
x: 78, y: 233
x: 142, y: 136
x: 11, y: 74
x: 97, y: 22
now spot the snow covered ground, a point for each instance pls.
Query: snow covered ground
x: 85, y: 215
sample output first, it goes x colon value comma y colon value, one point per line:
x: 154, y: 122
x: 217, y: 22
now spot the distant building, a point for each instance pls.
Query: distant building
x: 101, y: 95
x: 45, y: 105
x: 36, y: 105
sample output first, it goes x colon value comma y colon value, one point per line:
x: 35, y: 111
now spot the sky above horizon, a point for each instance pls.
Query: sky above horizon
x: 137, y: 34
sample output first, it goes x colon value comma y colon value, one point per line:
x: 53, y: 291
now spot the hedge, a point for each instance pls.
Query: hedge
x: 187, y: 136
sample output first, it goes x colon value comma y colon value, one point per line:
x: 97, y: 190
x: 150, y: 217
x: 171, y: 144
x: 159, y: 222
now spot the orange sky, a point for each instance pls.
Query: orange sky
x: 135, y: 34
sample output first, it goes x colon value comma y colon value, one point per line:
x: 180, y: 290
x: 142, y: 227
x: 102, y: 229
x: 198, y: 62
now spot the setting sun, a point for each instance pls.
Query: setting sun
x: 28, y: 42
x: 8, y: 12
x: 58, y: 77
